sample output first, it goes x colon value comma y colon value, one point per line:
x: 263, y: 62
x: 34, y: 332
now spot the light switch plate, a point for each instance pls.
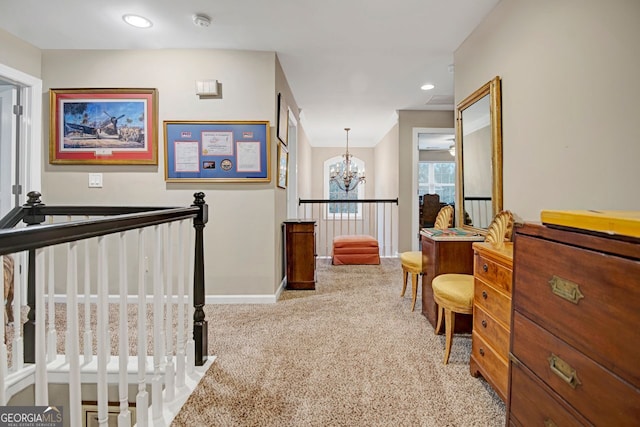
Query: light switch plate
x: 95, y: 180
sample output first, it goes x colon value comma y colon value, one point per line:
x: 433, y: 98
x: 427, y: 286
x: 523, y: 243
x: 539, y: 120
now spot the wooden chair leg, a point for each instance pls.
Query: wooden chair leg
x: 449, y: 326
x: 404, y: 281
x: 414, y: 289
x: 439, y: 316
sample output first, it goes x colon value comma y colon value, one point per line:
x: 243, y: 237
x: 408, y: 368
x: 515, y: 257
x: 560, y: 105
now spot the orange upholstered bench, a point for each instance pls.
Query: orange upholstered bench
x: 352, y: 249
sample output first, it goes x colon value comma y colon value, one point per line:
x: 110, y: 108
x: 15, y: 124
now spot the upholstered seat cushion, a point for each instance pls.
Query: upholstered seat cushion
x: 355, y: 249
x: 456, y: 289
x: 412, y: 261
x: 354, y: 241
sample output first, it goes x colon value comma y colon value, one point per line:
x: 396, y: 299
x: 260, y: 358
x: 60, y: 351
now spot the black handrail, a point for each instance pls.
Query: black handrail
x: 312, y: 201
x: 40, y: 236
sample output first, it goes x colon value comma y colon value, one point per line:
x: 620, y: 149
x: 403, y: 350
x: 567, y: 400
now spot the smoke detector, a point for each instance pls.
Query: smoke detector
x: 201, y: 20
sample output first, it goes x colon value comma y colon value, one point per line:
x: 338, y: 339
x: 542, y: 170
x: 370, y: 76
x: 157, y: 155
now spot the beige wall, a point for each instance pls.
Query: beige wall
x: 18, y: 54
x: 570, y: 92
x: 386, y: 179
x: 241, y: 242
x: 406, y: 122
x: 280, y: 214
x: 386, y: 160
x: 305, y: 166
x: 321, y: 154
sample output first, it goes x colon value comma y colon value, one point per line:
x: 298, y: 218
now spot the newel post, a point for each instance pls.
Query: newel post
x: 199, y: 322
x: 33, y: 217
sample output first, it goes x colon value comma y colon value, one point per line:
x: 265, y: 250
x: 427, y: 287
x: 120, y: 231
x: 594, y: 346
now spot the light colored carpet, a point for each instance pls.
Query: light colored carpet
x: 350, y: 353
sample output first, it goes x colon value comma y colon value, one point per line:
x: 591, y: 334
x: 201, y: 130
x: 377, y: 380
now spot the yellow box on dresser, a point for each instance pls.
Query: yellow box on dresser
x: 492, y: 272
x: 575, y: 337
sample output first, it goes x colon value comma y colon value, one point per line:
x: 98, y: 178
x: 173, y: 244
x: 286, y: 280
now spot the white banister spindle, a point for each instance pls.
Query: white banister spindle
x: 180, y: 355
x: 72, y: 345
x: 191, y: 345
x: 17, y: 362
x: 124, y: 418
x: 51, y: 307
x: 169, y: 369
x: 102, y: 333
x: 88, y: 334
x: 41, y: 393
x: 158, y: 345
x: 142, y: 397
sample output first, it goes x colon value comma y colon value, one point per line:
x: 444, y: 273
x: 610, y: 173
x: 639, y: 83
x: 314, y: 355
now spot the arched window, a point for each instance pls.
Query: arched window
x: 333, y: 192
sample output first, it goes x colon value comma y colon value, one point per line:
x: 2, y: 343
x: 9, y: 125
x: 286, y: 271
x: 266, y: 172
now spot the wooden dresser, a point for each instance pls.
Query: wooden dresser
x: 300, y: 254
x: 575, y: 336
x: 492, y: 272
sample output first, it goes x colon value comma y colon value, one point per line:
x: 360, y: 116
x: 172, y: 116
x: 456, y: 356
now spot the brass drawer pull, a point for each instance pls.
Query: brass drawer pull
x: 565, y: 289
x: 481, y: 351
x: 564, y: 371
x: 484, y: 294
x: 484, y: 323
x: 485, y: 268
x: 548, y: 422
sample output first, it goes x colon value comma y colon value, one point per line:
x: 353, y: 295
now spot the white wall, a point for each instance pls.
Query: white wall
x: 570, y: 93
x: 241, y: 246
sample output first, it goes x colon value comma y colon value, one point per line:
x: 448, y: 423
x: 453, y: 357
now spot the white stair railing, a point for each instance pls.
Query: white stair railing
x: 372, y: 217
x: 55, y: 257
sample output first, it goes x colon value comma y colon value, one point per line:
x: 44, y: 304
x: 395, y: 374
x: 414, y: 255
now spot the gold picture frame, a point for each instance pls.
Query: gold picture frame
x: 283, y: 166
x: 217, y: 151
x: 103, y: 126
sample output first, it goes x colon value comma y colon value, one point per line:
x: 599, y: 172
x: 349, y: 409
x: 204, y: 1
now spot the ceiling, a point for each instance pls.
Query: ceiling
x: 349, y: 63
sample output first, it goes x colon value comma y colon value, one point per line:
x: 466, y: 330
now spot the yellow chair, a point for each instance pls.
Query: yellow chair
x: 454, y: 292
x: 412, y: 261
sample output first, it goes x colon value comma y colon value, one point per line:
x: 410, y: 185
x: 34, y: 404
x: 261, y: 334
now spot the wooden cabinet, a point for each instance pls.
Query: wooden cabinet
x: 574, y: 340
x: 300, y: 254
x: 492, y: 314
x: 442, y: 255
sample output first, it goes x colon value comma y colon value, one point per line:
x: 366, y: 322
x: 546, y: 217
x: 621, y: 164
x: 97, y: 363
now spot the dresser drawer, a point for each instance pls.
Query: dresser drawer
x: 492, y: 272
x: 592, y: 390
x: 491, y: 331
x: 534, y: 404
x: 495, y: 369
x: 492, y: 301
x: 602, y: 322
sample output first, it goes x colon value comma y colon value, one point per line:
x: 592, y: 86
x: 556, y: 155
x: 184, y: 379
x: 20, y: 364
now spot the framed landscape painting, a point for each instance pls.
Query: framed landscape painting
x: 103, y: 126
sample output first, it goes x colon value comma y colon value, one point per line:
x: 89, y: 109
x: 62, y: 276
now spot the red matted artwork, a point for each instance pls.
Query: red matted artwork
x: 103, y: 126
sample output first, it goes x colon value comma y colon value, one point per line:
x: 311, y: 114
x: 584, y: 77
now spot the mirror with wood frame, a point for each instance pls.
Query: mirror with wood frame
x: 479, y: 157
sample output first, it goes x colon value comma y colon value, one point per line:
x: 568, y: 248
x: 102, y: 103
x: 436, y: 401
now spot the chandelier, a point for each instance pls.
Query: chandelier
x: 345, y: 174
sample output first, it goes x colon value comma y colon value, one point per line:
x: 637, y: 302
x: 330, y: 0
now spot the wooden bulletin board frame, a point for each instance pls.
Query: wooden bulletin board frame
x: 217, y: 151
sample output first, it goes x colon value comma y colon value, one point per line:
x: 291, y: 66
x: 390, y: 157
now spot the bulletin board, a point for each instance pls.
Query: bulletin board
x: 215, y: 151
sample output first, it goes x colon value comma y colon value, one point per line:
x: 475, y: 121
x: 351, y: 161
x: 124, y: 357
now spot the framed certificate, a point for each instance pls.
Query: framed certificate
x: 217, y: 151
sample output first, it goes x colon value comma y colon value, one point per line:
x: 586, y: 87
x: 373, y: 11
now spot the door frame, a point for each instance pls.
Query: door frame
x: 30, y: 128
x: 415, y: 158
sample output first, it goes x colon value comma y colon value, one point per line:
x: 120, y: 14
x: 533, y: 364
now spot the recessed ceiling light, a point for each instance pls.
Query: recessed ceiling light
x: 428, y: 86
x: 137, y: 21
